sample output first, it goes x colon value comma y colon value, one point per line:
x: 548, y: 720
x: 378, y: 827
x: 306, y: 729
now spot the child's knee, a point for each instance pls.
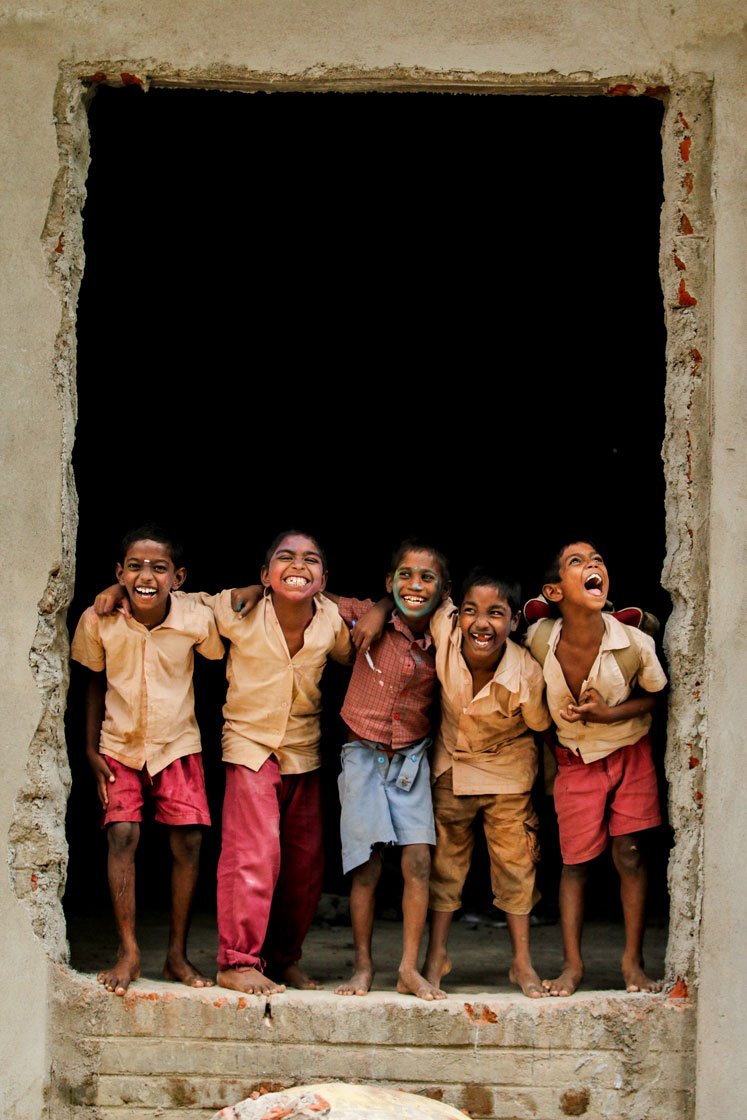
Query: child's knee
x: 368, y: 874
x: 186, y: 842
x: 627, y: 855
x: 416, y: 862
x: 123, y: 837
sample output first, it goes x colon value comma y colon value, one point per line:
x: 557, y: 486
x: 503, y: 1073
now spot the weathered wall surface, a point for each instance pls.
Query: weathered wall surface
x: 697, y: 52
x: 163, y: 1053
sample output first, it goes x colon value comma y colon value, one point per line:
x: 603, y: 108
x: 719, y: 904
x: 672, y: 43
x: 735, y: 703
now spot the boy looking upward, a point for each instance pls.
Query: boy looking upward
x: 606, y: 782
x: 384, y: 785
x: 142, y: 736
x: 484, y: 765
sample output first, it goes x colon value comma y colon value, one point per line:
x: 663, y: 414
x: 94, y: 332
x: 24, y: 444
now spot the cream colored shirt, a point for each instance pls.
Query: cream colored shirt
x: 486, y: 739
x: 149, y: 717
x: 596, y: 740
x: 274, y: 701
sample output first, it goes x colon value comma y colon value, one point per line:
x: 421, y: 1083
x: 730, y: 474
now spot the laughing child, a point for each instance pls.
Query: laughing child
x: 384, y: 785
x: 606, y: 782
x: 484, y: 765
x: 271, y: 861
x: 142, y: 738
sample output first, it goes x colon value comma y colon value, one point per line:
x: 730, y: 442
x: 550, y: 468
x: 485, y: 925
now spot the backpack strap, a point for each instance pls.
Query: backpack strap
x: 628, y: 659
x: 539, y: 646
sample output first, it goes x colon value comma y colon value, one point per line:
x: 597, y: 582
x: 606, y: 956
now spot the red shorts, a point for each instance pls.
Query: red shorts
x: 612, y: 796
x: 178, y: 792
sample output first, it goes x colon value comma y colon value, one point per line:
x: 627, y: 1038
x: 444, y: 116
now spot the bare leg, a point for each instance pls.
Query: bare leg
x: 362, y: 899
x: 185, y: 841
x: 437, y: 963
x: 522, y: 971
x: 416, y: 867
x: 572, y: 887
x: 123, y: 837
x: 633, y: 885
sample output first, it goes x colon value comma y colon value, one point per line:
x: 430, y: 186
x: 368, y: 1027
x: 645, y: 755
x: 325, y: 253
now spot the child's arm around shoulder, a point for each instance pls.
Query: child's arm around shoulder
x: 534, y: 709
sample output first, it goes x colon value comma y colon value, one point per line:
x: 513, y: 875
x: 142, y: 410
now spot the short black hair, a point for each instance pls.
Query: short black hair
x: 552, y: 572
x: 483, y: 577
x: 293, y: 533
x: 416, y: 544
x: 152, y: 531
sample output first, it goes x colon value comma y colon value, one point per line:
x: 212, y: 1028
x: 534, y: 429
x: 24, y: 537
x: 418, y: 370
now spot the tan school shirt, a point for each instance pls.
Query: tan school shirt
x: 486, y: 739
x: 274, y: 701
x: 149, y: 709
x: 591, y: 741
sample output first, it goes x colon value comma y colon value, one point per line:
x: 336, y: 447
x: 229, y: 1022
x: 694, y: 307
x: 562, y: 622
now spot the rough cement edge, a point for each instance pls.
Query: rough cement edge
x: 38, y: 850
x: 687, y: 279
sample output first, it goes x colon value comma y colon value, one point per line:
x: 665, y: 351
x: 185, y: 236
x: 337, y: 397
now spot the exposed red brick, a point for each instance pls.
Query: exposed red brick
x: 697, y: 357
x: 685, y: 146
x: 699, y: 795
x: 688, y: 182
x: 96, y: 78
x: 655, y: 91
x: 694, y: 762
x: 34, y: 881
x: 685, y: 224
x: 60, y: 243
x: 130, y: 79
x: 220, y: 1002
x: 680, y: 264
x: 685, y: 299
x: 241, y: 1004
x: 682, y: 120
x: 622, y: 89
x: 679, y: 989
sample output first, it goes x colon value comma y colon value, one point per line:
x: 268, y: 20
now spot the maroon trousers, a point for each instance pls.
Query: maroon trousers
x: 270, y: 867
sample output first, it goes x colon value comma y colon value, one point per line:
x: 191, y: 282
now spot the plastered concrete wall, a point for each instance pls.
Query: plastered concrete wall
x: 693, y: 55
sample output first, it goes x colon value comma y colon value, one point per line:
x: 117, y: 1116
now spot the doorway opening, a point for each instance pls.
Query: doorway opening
x: 372, y: 314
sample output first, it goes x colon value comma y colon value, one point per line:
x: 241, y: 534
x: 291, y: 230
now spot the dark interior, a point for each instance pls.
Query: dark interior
x: 372, y: 315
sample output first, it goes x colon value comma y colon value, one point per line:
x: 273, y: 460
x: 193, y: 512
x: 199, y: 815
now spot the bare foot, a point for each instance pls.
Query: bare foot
x: 359, y: 983
x: 636, y: 979
x: 184, y: 972
x: 566, y: 983
x: 248, y: 980
x: 295, y: 977
x: 527, y: 979
x: 411, y: 983
x: 435, y: 967
x: 119, y: 978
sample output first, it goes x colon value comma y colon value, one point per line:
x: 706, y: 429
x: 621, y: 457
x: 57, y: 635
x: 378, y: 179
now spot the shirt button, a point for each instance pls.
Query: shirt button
x: 396, y: 715
x: 381, y: 758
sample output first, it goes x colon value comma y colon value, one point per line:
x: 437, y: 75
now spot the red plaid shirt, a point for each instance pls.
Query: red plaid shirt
x: 391, y: 703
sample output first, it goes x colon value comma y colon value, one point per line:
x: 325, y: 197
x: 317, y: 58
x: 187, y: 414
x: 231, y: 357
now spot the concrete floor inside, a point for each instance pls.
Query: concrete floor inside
x: 479, y: 948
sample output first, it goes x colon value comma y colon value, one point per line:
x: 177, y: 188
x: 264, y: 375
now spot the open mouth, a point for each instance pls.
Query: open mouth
x: 414, y: 600
x: 296, y: 581
x: 593, y: 583
x: 482, y: 641
x: 146, y: 592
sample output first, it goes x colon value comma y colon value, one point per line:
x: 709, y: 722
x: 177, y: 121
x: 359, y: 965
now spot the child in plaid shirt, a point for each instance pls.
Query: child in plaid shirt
x: 384, y: 785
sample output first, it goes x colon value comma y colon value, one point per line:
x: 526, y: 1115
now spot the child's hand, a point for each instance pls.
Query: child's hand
x: 592, y: 709
x: 369, y: 628
x: 111, y: 600
x: 102, y: 774
x: 245, y: 599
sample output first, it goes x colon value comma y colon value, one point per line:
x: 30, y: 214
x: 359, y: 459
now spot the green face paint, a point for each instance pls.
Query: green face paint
x: 416, y: 587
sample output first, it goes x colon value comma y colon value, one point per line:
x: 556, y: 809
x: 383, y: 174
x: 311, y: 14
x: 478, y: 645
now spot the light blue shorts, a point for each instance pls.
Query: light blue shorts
x: 383, y: 800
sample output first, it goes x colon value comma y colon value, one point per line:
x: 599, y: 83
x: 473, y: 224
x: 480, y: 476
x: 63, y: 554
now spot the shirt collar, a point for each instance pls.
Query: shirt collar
x: 614, y: 637
x: 423, y: 640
